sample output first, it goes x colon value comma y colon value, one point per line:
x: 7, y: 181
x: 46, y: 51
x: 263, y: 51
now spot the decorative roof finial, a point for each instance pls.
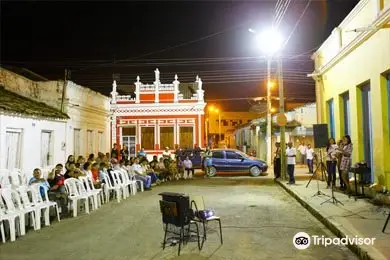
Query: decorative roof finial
x: 137, y: 78
x: 197, y: 78
x: 176, y: 77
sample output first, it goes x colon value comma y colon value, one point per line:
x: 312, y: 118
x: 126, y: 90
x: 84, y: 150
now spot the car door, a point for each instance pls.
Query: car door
x: 218, y: 160
x: 233, y: 161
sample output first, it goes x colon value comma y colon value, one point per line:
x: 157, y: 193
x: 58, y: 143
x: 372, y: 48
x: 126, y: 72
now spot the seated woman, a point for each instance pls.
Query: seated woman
x: 95, y: 176
x: 149, y: 171
x: 173, y: 171
x: 43, y: 184
x: 73, y: 172
x: 162, y: 170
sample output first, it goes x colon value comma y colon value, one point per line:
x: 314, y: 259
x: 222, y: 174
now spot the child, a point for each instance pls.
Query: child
x: 189, y: 170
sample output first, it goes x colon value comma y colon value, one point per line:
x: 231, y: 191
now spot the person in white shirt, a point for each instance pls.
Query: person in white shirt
x: 188, y: 168
x: 291, y: 153
x: 302, y: 150
x: 140, y: 174
x: 309, y: 157
x: 166, y: 154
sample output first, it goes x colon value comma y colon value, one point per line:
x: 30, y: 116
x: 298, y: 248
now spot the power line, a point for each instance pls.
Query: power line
x: 297, y: 23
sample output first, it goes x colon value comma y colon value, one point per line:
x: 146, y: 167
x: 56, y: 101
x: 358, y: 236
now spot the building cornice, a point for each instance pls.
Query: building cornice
x: 382, y: 19
x: 41, y: 118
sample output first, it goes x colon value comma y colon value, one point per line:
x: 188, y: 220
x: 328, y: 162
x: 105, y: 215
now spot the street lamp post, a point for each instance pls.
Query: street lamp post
x: 282, y: 127
x: 270, y: 42
x: 269, y: 118
x: 219, y: 124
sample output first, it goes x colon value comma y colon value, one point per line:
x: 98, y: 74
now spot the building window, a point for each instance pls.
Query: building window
x: 89, y: 141
x: 101, y: 147
x: 347, y: 114
x: 224, y: 122
x: 13, y: 148
x: 366, y: 123
x: 331, y: 118
x: 128, y: 139
x: 186, y: 137
x: 167, y: 137
x: 147, y: 138
x: 46, y: 148
x: 76, y: 142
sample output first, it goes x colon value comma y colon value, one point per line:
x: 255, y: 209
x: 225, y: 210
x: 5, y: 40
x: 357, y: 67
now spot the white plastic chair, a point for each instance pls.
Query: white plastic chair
x: 132, y: 177
x: 29, y: 206
x: 90, y: 189
x: 11, y: 218
x: 9, y: 196
x: 74, y: 196
x: 109, y: 186
x: 17, y: 178
x: 133, y: 182
x: 43, y: 203
x: 129, y: 183
x: 116, y: 175
x: 4, y: 178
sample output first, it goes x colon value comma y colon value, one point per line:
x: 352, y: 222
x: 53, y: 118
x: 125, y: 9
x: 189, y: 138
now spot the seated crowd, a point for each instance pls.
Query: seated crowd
x: 155, y: 172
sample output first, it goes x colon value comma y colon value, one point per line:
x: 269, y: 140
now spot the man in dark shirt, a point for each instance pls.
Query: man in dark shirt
x: 114, y: 152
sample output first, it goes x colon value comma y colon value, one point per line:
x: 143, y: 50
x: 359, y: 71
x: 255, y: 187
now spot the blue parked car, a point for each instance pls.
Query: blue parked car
x: 230, y: 160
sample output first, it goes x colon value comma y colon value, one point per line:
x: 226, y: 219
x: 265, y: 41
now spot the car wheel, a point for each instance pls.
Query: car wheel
x: 255, y: 171
x: 212, y: 172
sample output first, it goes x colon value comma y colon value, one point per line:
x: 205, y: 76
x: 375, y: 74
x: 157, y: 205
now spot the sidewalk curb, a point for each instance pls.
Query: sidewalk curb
x: 358, y: 250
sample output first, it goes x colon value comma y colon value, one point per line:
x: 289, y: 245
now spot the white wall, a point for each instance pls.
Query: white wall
x: 31, y: 140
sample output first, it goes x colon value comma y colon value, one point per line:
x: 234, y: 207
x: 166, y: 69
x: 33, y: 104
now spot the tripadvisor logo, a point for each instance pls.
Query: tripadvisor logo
x: 302, y: 240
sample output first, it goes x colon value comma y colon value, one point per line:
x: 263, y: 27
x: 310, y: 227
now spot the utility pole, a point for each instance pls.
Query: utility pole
x: 269, y: 118
x: 282, y: 127
x: 219, y: 125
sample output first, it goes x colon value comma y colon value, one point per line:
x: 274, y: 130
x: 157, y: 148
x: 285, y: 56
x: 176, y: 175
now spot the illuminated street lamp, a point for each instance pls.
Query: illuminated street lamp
x: 270, y: 42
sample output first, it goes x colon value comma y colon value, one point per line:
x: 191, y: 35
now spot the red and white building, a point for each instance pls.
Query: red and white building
x: 158, y: 116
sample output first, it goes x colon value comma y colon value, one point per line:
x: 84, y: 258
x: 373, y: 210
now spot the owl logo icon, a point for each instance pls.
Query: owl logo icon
x: 301, y: 240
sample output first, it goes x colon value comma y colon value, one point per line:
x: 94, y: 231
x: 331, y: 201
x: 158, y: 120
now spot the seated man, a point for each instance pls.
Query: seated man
x: 43, y: 184
x: 57, y: 191
x: 140, y: 174
x: 173, y: 171
x: 189, y: 170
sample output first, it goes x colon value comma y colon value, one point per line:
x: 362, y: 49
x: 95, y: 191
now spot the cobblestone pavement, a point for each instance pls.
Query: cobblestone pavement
x: 259, y: 221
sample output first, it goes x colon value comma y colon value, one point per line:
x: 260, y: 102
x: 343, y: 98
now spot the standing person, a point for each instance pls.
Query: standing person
x: 291, y: 153
x: 166, y: 154
x: 125, y: 153
x: 302, y: 150
x: 310, y: 157
x: 277, y: 162
x: 331, y: 161
x: 346, y: 161
x: 142, y: 154
x: 114, y: 151
x: 207, y: 161
x: 339, y: 156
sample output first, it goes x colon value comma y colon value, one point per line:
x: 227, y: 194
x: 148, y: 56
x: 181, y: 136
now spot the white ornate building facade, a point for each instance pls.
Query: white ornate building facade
x: 158, y: 116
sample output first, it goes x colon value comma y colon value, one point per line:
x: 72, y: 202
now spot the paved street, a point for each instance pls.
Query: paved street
x: 259, y: 222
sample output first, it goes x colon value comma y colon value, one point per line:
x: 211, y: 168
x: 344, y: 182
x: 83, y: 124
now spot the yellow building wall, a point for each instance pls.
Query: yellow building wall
x: 229, y: 116
x: 367, y: 63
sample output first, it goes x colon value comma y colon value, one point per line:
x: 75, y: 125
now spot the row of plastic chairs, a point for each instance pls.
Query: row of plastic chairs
x: 17, y: 177
x: 17, y: 204
x: 123, y: 184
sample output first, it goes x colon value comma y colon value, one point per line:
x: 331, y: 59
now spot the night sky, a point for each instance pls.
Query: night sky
x: 210, y: 38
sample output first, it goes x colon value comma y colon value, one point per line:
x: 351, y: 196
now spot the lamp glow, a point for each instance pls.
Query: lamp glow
x: 270, y: 41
